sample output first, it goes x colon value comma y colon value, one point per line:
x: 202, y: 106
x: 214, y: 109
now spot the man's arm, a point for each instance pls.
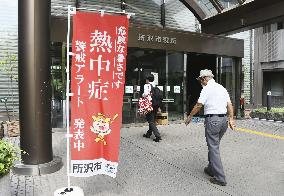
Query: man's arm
x: 195, y: 109
x: 231, y: 115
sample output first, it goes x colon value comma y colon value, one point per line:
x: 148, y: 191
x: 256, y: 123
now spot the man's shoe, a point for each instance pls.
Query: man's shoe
x: 207, y: 171
x: 157, y: 139
x: 145, y: 135
x: 215, y: 181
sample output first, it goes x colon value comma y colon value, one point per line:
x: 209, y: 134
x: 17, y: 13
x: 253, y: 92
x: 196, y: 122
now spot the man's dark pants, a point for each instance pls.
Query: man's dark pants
x: 151, y: 117
x: 215, y: 127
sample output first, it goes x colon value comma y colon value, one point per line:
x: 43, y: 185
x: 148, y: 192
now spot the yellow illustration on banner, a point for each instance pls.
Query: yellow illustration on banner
x: 101, y: 126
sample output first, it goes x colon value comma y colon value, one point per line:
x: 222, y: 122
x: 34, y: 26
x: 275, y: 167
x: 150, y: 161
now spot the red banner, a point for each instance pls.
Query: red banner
x: 99, y: 49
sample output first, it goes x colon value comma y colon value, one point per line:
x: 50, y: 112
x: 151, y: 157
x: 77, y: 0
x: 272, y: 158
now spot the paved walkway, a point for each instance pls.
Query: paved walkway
x: 254, y: 164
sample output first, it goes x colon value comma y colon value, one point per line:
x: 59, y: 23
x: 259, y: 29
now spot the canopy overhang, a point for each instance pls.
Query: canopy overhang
x: 248, y: 14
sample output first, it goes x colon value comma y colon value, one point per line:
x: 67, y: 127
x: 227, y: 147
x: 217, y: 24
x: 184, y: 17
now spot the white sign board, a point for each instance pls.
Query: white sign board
x: 138, y: 88
x: 156, y: 78
x: 168, y: 88
x: 161, y: 88
x: 176, y: 89
x: 128, y: 89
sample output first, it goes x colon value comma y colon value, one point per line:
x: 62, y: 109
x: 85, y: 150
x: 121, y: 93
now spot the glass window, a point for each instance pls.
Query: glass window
x: 228, y: 76
x: 58, y: 84
x: 266, y: 28
x: 175, y: 86
x: 273, y: 81
x: 272, y: 27
x: 207, y: 7
x: 229, y: 3
x: 279, y: 25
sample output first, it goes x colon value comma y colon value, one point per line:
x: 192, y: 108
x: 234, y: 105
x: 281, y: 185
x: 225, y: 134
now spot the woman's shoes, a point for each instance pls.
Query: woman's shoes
x: 145, y: 135
x: 157, y: 139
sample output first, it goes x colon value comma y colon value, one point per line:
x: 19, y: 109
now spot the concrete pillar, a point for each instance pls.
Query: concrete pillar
x: 258, y: 73
x: 35, y: 88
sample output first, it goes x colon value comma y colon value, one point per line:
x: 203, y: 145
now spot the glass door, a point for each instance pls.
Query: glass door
x: 140, y: 63
x: 58, y: 84
x: 175, y: 86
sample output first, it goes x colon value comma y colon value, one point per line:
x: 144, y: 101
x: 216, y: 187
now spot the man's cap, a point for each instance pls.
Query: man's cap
x: 205, y: 73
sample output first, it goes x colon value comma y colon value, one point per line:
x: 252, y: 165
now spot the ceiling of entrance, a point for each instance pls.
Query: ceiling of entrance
x: 204, y: 9
x: 228, y: 16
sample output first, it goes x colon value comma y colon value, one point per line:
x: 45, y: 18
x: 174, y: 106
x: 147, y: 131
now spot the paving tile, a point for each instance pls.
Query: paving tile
x: 254, y: 164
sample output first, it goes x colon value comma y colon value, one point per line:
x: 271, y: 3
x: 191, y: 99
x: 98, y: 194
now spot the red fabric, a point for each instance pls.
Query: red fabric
x: 97, y: 80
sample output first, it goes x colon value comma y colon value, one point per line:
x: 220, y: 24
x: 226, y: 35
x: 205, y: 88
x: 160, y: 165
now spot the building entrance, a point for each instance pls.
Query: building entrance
x: 175, y: 74
x: 195, y: 63
x: 167, y: 69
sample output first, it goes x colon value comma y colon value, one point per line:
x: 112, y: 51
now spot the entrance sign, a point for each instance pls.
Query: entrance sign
x: 99, y: 49
x: 156, y: 39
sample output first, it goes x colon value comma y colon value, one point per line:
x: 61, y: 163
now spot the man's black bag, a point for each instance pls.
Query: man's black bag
x: 157, y: 97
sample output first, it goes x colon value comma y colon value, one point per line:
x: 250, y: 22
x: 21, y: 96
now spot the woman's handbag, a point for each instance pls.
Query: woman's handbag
x: 145, y: 105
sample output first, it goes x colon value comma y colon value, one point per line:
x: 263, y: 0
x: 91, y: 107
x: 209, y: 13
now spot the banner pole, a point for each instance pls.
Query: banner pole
x: 67, y: 100
x: 74, y: 190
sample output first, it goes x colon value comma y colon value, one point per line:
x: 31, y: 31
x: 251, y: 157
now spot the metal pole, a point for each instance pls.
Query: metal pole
x: 167, y: 80
x: 163, y: 14
x: 268, y: 100
x: 184, y: 85
x: 67, y: 100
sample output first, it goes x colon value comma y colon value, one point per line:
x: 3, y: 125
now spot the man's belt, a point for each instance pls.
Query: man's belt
x: 219, y: 115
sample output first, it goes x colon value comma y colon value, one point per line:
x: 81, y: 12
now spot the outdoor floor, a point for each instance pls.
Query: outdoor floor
x: 253, y: 163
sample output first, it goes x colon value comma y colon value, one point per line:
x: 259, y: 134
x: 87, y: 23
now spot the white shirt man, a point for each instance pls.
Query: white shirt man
x: 214, y: 97
x: 217, y: 103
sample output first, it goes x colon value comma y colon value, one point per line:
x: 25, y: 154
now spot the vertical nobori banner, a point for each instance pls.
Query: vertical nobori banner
x: 97, y: 81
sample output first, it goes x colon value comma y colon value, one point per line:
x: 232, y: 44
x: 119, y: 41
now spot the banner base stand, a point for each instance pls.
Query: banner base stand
x: 40, y: 169
x: 73, y: 191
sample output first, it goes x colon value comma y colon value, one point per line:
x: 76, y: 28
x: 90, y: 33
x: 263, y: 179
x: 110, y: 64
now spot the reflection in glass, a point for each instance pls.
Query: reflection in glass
x: 58, y: 83
x: 228, y: 77
x: 207, y: 7
x: 175, y: 79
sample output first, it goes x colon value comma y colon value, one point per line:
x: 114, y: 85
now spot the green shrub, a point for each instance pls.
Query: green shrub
x: 276, y: 114
x: 273, y: 110
x: 8, y: 154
